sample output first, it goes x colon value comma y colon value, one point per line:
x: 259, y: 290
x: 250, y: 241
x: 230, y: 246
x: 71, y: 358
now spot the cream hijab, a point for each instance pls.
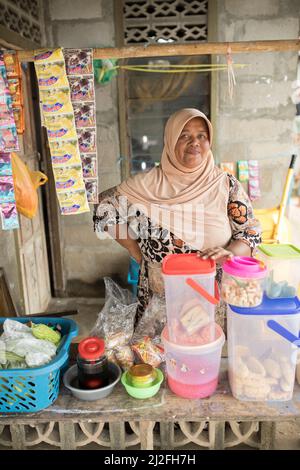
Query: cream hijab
x: 190, y: 203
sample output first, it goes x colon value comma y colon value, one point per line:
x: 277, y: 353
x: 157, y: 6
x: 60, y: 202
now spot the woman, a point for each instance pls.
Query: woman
x: 184, y: 205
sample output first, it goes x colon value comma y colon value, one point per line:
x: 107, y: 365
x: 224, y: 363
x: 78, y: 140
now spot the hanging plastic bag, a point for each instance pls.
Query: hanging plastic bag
x: 26, y: 183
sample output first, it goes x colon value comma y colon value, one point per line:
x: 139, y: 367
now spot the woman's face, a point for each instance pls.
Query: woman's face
x: 193, y: 143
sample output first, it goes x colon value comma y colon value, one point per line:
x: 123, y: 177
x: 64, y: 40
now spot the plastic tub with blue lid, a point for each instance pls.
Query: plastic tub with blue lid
x: 262, y: 349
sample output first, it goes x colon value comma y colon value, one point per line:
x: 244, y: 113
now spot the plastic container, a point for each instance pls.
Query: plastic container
x: 92, y: 363
x: 283, y: 263
x: 190, y: 296
x: 142, y: 392
x: 31, y: 390
x: 133, y: 275
x: 70, y: 382
x: 141, y: 375
x: 243, y: 281
x: 262, y: 356
x: 193, y: 371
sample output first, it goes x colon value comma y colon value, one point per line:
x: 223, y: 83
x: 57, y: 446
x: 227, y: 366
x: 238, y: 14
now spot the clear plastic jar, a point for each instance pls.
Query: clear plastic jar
x: 243, y: 281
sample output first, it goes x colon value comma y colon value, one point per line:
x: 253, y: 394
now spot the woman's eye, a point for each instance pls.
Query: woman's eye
x: 202, y: 136
x: 184, y: 136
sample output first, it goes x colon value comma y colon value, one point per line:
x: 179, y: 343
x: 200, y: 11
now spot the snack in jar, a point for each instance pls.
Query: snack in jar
x: 243, y: 281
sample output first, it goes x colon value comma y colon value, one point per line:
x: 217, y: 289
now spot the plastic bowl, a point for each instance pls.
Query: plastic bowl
x: 97, y: 393
x: 145, y: 392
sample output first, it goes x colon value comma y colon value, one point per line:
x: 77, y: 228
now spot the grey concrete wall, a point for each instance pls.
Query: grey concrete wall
x: 257, y: 124
x: 90, y: 23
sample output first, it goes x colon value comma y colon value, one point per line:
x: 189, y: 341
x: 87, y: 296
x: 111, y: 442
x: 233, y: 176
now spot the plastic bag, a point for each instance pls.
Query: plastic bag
x: 153, y: 320
x: 26, y: 183
x: 115, y: 323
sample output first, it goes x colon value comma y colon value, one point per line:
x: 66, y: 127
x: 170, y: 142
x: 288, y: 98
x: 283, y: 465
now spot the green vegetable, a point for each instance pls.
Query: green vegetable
x: 42, y: 331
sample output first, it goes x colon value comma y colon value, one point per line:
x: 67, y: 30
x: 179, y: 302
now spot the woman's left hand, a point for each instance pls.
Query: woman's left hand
x: 218, y: 254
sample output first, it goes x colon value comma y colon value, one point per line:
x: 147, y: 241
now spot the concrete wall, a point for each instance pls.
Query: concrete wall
x: 90, y: 23
x: 257, y: 124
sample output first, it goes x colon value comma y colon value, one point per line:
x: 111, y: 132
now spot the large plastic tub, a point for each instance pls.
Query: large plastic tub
x: 193, y: 371
x: 31, y: 390
x: 283, y: 262
x: 262, y: 349
x: 190, y: 296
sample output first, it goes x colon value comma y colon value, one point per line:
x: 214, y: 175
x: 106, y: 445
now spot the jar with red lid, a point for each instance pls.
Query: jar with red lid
x: 92, y: 363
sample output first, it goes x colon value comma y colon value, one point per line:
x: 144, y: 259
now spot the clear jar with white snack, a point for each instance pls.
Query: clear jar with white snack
x: 191, y: 298
x: 262, y: 353
x: 243, y: 281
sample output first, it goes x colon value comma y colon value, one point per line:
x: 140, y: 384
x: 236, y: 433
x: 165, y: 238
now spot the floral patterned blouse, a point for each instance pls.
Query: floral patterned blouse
x: 159, y: 242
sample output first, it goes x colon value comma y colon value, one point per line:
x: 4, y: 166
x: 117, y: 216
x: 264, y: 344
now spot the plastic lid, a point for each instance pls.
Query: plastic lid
x: 187, y: 263
x: 271, y: 307
x: 280, y: 250
x: 91, y: 348
x: 244, y: 266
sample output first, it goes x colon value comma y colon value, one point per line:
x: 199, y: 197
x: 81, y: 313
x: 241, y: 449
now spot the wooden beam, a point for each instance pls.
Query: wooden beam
x: 201, y: 48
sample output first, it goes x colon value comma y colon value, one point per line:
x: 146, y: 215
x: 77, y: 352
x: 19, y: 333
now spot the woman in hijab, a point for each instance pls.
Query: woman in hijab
x: 185, y: 205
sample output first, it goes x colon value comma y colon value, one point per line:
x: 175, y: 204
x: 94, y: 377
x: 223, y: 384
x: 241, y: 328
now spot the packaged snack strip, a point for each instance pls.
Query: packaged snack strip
x: 73, y: 202
x: 48, y: 55
x: 14, y: 86
x: 89, y: 165
x: 68, y: 178
x: 91, y: 187
x: 64, y: 152
x: 19, y: 118
x: 7, y: 193
x: 51, y: 75
x: 254, y: 189
x: 56, y: 101
x: 60, y: 126
x: 243, y: 173
x: 12, y: 64
x: 9, y: 216
x: 85, y: 114
x: 228, y: 167
x: 79, y: 61
x: 87, y: 140
x: 5, y: 164
x: 82, y: 88
x: 9, y: 140
x: 148, y: 352
x: 6, y: 117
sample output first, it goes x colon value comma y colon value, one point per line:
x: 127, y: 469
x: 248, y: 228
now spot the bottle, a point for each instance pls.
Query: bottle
x: 92, y: 363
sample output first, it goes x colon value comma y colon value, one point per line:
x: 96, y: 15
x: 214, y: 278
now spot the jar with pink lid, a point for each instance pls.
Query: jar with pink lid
x: 243, y: 281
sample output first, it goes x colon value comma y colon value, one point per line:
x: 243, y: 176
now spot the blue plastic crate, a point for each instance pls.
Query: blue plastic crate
x: 31, y: 390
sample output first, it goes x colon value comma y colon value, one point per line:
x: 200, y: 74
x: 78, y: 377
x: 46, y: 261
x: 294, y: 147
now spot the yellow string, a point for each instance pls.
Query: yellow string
x: 182, y: 68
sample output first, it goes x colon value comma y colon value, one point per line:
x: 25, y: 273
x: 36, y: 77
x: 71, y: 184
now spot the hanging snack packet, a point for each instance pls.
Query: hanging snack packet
x: 60, y: 127
x: 91, y: 187
x: 51, y: 75
x: 87, y: 140
x: 89, y: 165
x: 48, y: 55
x: 64, y: 152
x: 85, y: 114
x: 253, y: 184
x: 9, y: 216
x: 79, y: 61
x: 228, y: 167
x: 243, y: 173
x: 68, y: 178
x: 82, y: 88
x: 73, y: 202
x: 56, y: 101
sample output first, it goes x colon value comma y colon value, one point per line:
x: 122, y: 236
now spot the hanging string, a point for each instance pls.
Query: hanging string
x: 230, y: 73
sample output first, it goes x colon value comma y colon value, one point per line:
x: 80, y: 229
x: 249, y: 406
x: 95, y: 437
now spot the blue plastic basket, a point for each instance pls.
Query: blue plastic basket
x: 133, y: 275
x: 31, y: 390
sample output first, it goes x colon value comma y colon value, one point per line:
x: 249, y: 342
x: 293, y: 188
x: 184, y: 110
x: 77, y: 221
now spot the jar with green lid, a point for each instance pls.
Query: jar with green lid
x: 141, y: 375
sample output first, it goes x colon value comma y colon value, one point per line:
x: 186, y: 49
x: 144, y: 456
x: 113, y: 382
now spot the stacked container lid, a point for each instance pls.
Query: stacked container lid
x: 262, y: 331
x: 192, y: 341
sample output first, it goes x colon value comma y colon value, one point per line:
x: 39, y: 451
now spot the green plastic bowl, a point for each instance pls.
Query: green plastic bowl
x: 145, y: 392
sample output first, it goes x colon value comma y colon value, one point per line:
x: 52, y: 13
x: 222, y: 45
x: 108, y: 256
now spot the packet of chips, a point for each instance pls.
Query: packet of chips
x: 73, y: 202
x: 51, y: 75
x: 61, y: 127
x: 64, y: 152
x: 148, y: 352
x: 68, y: 178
